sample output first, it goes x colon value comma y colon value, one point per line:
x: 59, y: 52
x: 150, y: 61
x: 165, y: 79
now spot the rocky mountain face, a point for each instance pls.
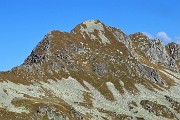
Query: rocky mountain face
x: 95, y: 72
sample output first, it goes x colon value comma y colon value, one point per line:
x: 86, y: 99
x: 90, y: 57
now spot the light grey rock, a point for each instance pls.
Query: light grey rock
x: 148, y: 73
x: 157, y: 53
x: 174, y: 50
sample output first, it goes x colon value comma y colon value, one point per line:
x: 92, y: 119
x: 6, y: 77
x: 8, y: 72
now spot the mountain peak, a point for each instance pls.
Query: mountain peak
x: 94, y: 72
x: 92, y: 25
x: 89, y: 26
x: 92, y: 29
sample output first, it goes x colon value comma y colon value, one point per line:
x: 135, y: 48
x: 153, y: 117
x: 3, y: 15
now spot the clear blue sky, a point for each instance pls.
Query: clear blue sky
x: 23, y: 23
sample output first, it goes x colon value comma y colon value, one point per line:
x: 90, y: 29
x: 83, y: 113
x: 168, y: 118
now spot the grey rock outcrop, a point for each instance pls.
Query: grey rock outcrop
x: 40, y: 52
x: 50, y: 112
x: 148, y: 73
x: 174, y: 50
x: 156, y: 51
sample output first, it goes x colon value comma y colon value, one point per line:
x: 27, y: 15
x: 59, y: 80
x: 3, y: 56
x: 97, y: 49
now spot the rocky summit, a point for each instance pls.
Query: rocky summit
x: 94, y: 72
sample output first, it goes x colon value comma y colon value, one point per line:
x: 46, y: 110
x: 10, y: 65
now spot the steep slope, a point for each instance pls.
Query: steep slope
x: 94, y: 72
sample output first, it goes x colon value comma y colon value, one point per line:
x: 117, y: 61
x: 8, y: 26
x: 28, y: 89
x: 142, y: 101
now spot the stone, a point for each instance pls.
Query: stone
x: 149, y: 73
x: 99, y: 68
x: 173, y: 50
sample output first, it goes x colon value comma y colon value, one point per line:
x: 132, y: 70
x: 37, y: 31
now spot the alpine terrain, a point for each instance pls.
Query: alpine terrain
x: 95, y: 72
